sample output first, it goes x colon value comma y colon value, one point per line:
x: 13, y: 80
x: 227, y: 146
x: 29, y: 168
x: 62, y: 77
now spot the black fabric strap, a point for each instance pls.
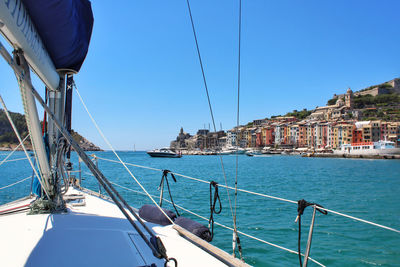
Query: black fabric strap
x: 165, y: 176
x: 213, y: 201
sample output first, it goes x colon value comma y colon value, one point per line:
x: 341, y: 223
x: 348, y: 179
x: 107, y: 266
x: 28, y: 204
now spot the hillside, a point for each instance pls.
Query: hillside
x: 376, y: 102
x: 8, y: 139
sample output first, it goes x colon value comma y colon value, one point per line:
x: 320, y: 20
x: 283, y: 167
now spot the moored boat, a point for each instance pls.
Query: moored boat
x: 163, y: 153
x: 380, y: 148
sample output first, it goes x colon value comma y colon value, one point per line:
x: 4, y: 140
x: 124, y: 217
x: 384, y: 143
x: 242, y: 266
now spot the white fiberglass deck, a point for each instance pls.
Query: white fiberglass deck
x: 93, y: 234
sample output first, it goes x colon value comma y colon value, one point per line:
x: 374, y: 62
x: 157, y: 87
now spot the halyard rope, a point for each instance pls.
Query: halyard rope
x: 236, y: 240
x: 116, y: 154
x: 261, y: 195
x: 210, y: 107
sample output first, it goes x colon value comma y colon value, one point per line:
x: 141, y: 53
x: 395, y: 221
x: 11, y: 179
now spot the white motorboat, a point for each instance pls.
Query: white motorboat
x: 253, y: 152
x: 380, y: 148
x: 231, y: 151
x: 164, y: 153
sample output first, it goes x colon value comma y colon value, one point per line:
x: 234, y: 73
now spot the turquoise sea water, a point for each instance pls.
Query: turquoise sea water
x: 368, y: 189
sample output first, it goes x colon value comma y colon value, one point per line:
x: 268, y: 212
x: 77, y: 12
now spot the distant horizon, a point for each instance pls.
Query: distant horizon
x: 141, y: 79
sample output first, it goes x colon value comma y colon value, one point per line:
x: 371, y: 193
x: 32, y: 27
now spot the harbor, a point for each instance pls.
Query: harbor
x: 287, y: 183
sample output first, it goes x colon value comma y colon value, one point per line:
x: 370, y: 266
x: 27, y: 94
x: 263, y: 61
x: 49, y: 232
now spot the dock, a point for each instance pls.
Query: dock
x: 332, y: 155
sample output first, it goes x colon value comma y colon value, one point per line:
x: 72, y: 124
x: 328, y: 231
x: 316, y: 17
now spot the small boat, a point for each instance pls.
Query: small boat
x: 164, y: 153
x: 226, y: 152
x: 254, y: 152
x: 369, y: 148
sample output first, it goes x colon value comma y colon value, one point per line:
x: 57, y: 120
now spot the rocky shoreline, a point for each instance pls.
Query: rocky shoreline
x: 85, y: 144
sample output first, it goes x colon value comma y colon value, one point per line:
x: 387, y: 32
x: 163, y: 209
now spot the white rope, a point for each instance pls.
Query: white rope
x: 362, y: 220
x: 203, y: 181
x: 20, y: 181
x: 224, y: 226
x: 11, y: 160
x: 264, y: 195
x: 116, y: 154
x: 12, y: 152
x: 130, y: 164
x: 23, y: 146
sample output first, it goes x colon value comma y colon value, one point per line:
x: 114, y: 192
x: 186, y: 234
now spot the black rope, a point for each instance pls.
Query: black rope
x: 213, y: 201
x: 165, y: 176
x: 301, y: 206
x: 171, y: 259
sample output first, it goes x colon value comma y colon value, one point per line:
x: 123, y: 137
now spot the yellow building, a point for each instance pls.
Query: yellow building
x: 347, y: 133
x: 335, y: 139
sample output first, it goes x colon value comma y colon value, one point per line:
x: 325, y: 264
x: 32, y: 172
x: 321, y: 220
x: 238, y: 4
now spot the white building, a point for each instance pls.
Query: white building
x: 231, y: 138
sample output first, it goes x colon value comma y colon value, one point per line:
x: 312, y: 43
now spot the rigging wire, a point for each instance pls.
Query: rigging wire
x: 12, y: 152
x: 20, y: 181
x: 236, y: 240
x: 23, y: 146
x: 260, y: 194
x: 18, y: 159
x: 116, y: 154
x: 209, y: 104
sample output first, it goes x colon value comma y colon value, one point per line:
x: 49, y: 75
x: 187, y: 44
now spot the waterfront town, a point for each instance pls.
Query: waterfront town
x: 325, y: 128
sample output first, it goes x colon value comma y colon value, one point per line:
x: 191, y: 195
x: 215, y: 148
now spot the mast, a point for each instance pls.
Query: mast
x: 29, y: 50
x: 33, y: 122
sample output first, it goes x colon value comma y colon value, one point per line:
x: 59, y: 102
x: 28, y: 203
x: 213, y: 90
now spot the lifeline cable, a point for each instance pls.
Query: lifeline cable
x: 260, y: 194
x: 219, y: 224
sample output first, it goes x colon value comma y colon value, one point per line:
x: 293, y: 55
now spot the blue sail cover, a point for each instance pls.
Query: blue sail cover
x: 65, y: 27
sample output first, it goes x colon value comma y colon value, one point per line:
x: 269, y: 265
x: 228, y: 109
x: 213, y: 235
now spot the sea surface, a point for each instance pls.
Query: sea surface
x: 368, y: 189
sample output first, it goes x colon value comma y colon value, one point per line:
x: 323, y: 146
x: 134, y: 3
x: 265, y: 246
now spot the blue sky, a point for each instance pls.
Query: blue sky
x: 142, y: 82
